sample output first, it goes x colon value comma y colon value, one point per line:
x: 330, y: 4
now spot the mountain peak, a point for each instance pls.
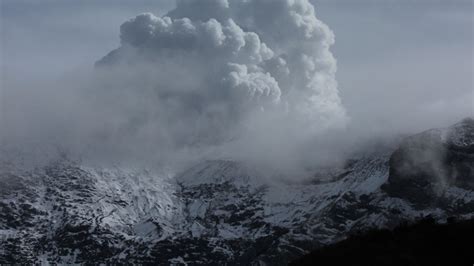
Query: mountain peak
x: 461, y: 134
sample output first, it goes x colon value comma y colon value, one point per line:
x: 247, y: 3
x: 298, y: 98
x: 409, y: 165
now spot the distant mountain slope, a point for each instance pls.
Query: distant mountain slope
x: 224, y: 212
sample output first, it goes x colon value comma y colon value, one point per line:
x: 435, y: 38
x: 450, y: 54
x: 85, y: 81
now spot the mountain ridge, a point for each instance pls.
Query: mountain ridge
x: 219, y: 212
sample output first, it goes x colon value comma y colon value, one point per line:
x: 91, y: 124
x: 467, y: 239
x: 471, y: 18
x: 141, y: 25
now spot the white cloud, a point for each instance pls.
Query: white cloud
x: 228, y: 62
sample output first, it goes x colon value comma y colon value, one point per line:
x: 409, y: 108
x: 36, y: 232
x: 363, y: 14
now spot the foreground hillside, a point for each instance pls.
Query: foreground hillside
x: 225, y: 212
x: 424, y: 243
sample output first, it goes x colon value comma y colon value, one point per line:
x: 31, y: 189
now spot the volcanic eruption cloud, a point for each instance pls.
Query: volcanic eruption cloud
x: 212, y: 79
x: 256, y: 76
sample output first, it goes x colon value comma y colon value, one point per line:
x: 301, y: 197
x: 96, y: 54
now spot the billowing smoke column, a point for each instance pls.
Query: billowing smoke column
x: 213, y: 71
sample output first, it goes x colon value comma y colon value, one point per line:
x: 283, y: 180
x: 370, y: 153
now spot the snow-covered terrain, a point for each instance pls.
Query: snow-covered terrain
x: 219, y: 212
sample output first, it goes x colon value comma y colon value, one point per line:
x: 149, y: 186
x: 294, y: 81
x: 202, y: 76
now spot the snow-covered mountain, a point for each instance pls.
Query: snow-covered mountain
x: 226, y: 212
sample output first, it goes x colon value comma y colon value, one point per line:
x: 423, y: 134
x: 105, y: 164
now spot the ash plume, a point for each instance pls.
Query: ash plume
x: 250, y: 80
x: 228, y: 73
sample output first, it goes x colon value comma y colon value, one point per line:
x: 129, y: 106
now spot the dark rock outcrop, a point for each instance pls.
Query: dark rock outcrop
x: 427, y: 164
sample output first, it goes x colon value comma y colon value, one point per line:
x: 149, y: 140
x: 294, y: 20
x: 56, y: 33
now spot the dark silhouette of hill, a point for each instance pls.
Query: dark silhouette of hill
x: 422, y: 243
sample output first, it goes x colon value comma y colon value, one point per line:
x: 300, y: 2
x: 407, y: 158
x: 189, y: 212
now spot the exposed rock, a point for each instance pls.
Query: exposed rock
x: 426, y: 166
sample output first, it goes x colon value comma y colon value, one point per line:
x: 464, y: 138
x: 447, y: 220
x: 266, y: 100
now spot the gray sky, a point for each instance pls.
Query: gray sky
x: 402, y: 65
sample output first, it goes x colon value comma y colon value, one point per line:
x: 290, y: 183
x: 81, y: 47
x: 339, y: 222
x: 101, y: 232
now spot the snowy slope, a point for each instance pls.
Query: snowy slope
x: 217, y: 212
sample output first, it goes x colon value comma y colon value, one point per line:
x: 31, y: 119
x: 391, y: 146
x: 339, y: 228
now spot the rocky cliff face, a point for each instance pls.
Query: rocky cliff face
x: 429, y: 167
x: 224, y: 212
